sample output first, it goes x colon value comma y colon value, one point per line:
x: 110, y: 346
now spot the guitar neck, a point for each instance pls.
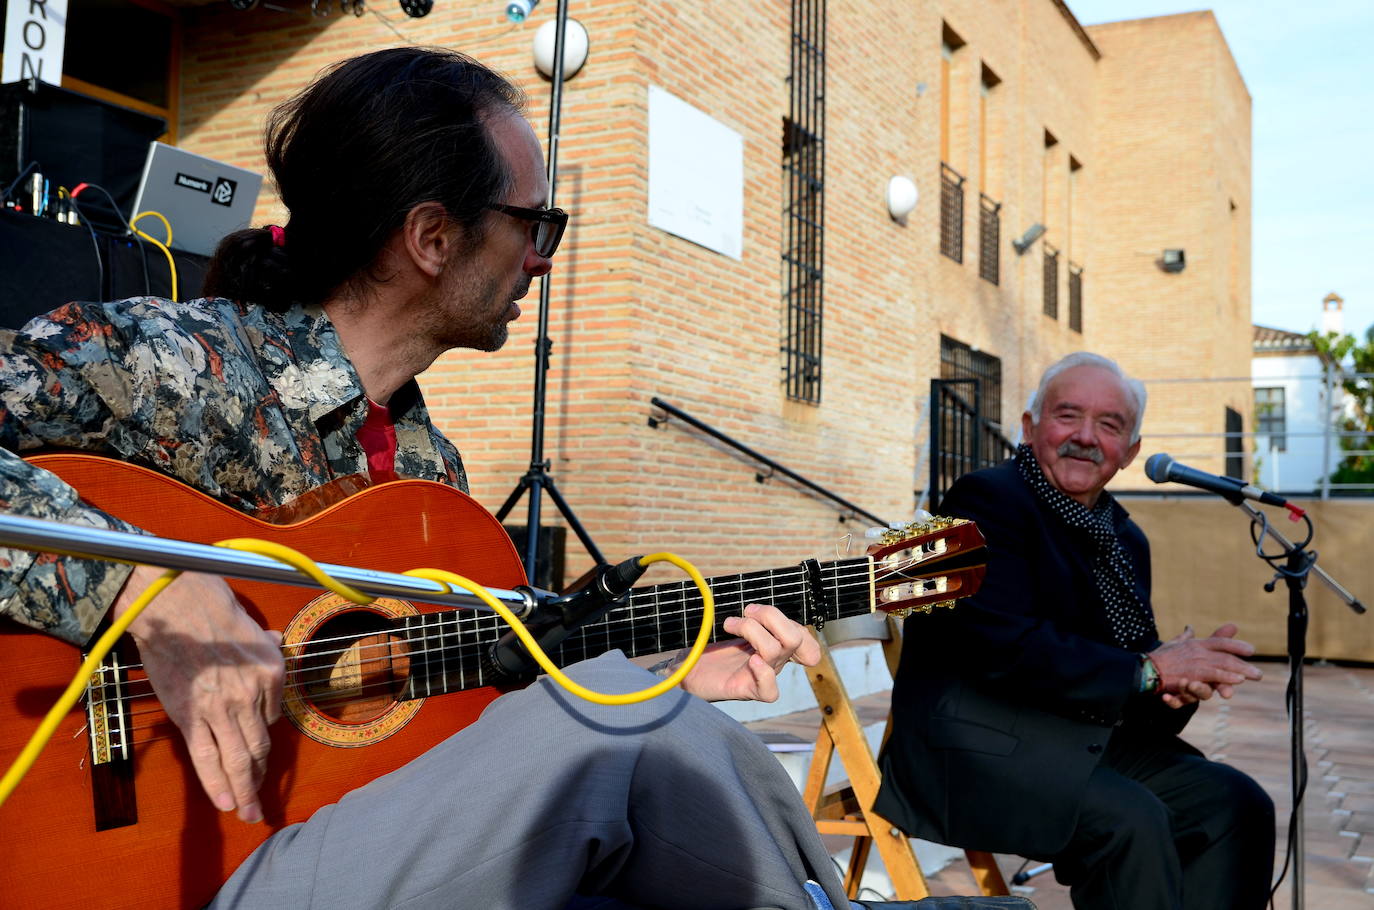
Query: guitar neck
x: 667, y: 617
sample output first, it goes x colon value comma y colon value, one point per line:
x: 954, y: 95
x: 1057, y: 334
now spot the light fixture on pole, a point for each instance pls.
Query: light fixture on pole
x: 1172, y: 261
x: 901, y: 198
x: 537, y: 480
x: 575, y: 44
x: 1023, y: 243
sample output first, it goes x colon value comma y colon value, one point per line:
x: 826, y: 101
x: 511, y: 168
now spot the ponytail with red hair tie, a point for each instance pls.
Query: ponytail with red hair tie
x: 278, y: 234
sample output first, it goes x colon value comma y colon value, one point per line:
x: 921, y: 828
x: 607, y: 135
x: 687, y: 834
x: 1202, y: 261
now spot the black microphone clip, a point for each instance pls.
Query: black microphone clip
x: 556, y: 617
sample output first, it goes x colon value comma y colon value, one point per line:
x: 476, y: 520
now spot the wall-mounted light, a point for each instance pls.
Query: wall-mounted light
x: 1023, y: 243
x: 575, y: 44
x: 417, y: 9
x: 901, y: 198
x: 519, y: 10
x: 1172, y: 261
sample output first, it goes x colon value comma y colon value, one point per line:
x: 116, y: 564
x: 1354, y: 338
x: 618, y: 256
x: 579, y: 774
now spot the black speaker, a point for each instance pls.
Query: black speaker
x: 552, y: 545
x: 74, y: 139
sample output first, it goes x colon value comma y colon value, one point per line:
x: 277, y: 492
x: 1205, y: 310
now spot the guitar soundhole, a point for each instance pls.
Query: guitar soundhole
x: 354, y: 667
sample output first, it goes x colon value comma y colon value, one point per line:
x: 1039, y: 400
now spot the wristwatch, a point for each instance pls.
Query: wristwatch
x: 1149, y: 675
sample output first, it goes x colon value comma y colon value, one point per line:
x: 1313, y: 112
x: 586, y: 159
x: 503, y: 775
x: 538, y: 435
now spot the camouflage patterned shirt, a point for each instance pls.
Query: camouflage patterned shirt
x: 249, y: 406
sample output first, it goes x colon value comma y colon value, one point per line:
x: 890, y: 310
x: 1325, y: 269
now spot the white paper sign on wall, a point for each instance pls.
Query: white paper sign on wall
x: 696, y: 175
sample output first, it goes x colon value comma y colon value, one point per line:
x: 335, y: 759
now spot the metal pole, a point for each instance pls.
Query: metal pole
x: 122, y: 546
x: 1327, y: 426
x: 542, y: 344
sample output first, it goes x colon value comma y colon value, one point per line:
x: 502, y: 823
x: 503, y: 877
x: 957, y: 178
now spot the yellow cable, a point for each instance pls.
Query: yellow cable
x: 48, y: 727
x: 161, y: 245
x: 40, y: 738
x: 600, y: 698
x: 160, y: 217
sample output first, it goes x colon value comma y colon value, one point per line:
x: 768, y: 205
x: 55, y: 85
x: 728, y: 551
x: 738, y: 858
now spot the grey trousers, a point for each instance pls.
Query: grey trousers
x: 667, y: 803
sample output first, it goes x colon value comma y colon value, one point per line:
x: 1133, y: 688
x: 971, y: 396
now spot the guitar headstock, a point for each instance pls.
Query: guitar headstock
x: 906, y: 565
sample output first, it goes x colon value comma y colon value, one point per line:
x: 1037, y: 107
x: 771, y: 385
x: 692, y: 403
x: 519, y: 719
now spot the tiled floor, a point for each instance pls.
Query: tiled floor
x: 1252, y: 732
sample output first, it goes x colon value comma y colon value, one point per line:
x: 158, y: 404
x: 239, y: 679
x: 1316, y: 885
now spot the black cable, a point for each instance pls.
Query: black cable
x: 142, y: 247
x: 95, y: 242
x: 14, y: 184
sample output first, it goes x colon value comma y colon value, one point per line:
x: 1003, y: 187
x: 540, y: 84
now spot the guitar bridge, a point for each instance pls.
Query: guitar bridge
x: 109, y: 731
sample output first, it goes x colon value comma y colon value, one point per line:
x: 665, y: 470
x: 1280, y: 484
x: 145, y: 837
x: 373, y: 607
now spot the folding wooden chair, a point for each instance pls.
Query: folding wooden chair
x: 849, y: 810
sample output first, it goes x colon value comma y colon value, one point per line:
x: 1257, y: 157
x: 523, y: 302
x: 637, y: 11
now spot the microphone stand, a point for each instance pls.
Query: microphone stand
x: 1299, y: 562
x: 537, y: 479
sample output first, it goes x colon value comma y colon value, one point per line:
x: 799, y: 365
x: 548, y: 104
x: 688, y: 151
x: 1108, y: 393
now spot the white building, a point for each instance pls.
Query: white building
x: 1294, y: 447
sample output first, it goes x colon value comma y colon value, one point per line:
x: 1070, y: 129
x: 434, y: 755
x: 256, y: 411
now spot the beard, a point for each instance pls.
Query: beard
x: 472, y: 311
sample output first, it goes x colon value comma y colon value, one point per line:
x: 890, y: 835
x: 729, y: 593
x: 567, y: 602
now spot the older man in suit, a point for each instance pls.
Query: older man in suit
x: 1041, y: 718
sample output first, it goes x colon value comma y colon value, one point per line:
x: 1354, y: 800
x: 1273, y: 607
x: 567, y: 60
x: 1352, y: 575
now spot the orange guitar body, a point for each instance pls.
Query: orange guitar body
x: 180, y: 849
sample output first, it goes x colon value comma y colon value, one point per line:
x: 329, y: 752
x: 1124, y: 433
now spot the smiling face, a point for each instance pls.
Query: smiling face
x: 1084, y: 434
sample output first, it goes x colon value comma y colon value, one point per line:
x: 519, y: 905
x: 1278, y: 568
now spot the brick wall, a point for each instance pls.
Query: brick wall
x: 1177, y: 157
x: 636, y: 312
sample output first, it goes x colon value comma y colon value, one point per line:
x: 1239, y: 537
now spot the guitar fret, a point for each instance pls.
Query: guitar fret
x: 448, y: 647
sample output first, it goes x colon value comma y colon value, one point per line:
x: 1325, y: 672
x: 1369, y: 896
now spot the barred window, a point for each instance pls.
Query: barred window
x: 1271, y: 418
x: 989, y: 238
x: 1076, y: 298
x: 960, y: 361
x: 951, y: 213
x: 1051, y: 282
x: 803, y: 172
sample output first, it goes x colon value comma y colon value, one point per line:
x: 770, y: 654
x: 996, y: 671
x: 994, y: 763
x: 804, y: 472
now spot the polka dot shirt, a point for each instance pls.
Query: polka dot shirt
x: 1130, y: 620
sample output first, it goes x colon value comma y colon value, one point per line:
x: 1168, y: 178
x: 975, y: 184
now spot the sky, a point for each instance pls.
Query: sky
x: 1309, y: 68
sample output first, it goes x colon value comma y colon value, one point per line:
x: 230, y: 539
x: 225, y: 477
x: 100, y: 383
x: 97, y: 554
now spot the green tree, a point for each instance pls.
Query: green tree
x: 1353, y: 363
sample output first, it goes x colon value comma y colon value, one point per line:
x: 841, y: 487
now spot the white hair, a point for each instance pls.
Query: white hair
x: 1135, y: 389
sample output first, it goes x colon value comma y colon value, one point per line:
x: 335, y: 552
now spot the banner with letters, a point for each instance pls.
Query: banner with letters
x: 35, y: 33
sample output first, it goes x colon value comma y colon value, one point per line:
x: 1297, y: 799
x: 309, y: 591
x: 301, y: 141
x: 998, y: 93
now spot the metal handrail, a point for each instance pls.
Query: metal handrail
x: 772, y: 465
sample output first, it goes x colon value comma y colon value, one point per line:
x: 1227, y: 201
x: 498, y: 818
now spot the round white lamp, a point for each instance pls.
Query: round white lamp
x: 574, y: 48
x: 901, y: 197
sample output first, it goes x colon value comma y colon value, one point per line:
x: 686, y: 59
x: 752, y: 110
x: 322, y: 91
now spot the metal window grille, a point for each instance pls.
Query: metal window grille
x: 1271, y: 417
x: 1076, y: 298
x: 989, y: 238
x: 1235, y: 444
x: 951, y: 213
x: 803, y: 171
x: 1051, y: 282
x: 960, y: 361
x: 962, y: 438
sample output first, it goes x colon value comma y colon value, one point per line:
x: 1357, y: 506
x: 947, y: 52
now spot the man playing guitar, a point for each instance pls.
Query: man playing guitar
x: 415, y: 189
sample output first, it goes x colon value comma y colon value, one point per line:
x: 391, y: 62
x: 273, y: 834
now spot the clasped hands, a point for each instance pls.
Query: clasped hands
x: 1191, y: 669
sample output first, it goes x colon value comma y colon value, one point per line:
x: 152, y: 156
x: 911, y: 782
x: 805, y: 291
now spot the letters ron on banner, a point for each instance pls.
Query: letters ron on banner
x: 35, y: 32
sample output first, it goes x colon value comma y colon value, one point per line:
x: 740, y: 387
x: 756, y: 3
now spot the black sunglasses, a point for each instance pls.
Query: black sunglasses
x: 547, y: 228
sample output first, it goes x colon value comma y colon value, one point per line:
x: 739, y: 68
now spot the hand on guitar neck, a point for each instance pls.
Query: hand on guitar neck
x: 747, y: 667
x: 219, y: 676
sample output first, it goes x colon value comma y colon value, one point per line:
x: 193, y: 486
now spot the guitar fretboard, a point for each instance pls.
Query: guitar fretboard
x: 448, y: 649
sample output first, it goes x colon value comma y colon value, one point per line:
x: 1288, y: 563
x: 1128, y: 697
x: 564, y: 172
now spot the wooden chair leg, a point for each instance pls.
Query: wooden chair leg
x: 986, y: 873
x: 845, y: 736
x: 858, y: 861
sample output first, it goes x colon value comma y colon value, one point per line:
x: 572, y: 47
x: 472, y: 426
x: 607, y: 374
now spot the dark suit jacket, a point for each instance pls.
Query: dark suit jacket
x: 1003, y: 706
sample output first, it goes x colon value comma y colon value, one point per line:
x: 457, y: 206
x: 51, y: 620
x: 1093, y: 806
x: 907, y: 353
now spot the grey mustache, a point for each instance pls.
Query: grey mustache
x: 1071, y: 449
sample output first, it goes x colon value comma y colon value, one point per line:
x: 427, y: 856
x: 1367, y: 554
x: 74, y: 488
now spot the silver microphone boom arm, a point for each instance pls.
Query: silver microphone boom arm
x: 122, y: 546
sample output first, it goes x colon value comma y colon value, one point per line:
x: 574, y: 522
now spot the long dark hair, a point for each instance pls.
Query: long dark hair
x: 367, y: 141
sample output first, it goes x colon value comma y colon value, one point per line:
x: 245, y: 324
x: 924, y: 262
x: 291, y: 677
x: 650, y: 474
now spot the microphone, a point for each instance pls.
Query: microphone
x: 1162, y: 468
x: 558, y: 617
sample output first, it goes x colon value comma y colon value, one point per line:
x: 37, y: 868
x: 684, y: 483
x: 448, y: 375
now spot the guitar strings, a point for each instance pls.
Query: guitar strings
x: 624, y: 616
x: 461, y: 624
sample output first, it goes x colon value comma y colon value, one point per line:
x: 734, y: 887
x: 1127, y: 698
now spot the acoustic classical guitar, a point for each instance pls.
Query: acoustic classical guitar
x: 112, y: 814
